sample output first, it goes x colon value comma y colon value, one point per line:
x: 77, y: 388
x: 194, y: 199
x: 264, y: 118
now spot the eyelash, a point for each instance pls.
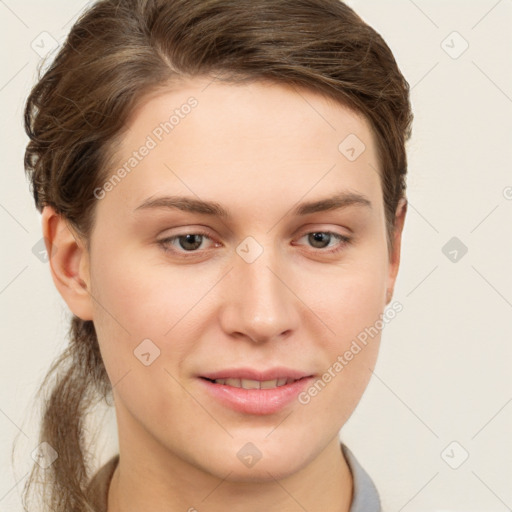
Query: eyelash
x: 165, y: 243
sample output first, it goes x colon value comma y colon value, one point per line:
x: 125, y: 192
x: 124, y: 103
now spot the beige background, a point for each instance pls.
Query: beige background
x: 443, y: 373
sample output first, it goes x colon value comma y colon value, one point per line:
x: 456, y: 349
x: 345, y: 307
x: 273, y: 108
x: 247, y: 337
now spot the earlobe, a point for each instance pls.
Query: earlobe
x: 397, y: 242
x: 69, y: 263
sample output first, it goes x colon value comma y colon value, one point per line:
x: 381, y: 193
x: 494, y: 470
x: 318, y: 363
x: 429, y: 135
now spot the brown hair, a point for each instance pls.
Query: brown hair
x: 120, y: 50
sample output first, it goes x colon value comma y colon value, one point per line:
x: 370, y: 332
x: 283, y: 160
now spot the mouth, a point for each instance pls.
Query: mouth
x: 254, y: 384
x: 254, y: 392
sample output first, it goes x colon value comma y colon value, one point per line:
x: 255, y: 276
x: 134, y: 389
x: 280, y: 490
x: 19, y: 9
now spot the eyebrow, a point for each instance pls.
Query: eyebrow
x: 192, y: 205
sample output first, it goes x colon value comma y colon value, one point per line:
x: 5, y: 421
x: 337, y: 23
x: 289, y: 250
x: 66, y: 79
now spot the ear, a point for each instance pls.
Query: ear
x: 394, y: 261
x: 69, y: 263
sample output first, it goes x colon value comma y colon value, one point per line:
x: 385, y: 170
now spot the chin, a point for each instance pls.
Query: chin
x: 262, y: 460
x: 262, y: 471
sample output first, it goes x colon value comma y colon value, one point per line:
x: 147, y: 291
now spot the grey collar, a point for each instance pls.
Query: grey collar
x: 365, y: 496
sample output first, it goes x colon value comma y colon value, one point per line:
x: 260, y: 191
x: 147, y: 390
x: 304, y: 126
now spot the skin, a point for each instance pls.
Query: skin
x: 257, y: 149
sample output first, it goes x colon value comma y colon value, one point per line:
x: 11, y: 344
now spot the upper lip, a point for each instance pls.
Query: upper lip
x: 253, y: 374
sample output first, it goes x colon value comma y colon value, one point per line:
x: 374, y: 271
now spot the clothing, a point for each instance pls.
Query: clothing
x: 97, y: 490
x: 364, y: 499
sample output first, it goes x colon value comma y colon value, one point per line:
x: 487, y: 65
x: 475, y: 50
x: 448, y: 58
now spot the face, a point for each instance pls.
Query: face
x: 264, y: 287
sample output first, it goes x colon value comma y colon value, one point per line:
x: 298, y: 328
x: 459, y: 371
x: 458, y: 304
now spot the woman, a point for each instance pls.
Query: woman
x: 222, y: 188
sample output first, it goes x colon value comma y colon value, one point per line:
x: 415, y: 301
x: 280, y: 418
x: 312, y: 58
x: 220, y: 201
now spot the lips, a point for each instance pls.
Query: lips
x: 253, y: 391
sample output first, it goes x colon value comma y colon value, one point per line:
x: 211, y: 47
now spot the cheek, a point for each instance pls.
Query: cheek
x: 135, y: 302
x: 352, y: 309
x: 347, y: 299
x: 143, y: 298
x: 351, y: 305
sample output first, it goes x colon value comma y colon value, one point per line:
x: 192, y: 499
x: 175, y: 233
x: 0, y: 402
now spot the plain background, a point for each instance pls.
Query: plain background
x: 442, y: 389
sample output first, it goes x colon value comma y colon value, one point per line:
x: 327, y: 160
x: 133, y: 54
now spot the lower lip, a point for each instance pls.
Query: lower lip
x: 256, y: 401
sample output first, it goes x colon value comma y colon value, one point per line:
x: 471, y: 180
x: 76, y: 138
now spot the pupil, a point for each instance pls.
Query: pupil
x: 189, y: 239
x: 320, y: 237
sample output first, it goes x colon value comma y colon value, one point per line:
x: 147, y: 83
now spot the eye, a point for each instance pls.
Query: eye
x: 193, y: 242
x: 183, y: 243
x: 322, y: 239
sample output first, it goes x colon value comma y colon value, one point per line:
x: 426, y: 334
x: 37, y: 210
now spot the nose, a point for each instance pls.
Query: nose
x: 259, y: 302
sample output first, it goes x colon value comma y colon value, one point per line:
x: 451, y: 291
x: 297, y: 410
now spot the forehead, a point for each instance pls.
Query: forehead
x: 256, y: 107
x: 258, y: 139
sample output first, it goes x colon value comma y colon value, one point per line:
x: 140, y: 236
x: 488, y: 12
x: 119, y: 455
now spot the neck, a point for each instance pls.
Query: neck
x: 323, y: 484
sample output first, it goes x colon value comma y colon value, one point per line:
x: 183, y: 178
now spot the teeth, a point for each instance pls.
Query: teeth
x: 250, y: 384
x: 268, y: 384
x: 254, y: 384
